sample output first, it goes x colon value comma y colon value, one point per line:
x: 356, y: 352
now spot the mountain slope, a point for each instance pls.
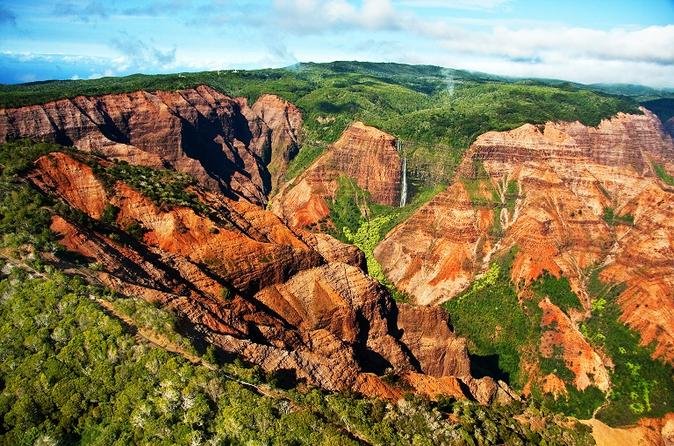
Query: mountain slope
x: 218, y: 140
x: 577, y: 207
x: 364, y: 154
x: 549, y: 248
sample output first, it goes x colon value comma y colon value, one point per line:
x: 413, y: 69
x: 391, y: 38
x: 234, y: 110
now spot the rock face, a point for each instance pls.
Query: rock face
x: 669, y: 126
x: 284, y: 121
x: 546, y: 190
x: 221, y: 141
x: 365, y: 154
x: 289, y: 301
x: 266, y: 253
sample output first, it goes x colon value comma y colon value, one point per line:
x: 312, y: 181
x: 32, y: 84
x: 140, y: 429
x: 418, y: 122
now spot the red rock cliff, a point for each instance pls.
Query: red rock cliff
x: 364, y: 154
x: 545, y: 189
x: 218, y: 140
x: 286, y: 300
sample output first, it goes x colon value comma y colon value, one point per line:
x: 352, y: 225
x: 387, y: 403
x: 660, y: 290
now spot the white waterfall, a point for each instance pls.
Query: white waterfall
x: 403, y: 183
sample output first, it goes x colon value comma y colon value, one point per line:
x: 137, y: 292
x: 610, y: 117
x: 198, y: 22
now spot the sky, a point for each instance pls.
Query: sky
x: 588, y: 41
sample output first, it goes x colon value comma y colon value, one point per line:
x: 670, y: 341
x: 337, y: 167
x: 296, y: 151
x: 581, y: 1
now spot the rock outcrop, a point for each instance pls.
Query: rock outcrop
x: 554, y: 192
x: 289, y: 301
x: 364, y: 154
x: 284, y: 121
x: 221, y: 141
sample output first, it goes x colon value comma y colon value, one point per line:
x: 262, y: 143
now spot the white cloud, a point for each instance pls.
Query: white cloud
x: 456, y: 4
x: 642, y: 55
x: 141, y: 54
x: 315, y: 16
x: 653, y: 44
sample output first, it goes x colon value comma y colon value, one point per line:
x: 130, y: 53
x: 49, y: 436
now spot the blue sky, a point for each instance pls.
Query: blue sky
x: 585, y: 41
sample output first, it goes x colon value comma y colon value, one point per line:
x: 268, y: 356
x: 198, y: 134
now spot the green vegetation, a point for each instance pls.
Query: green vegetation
x: 479, y: 187
x: 491, y: 317
x: 366, y: 238
x: 578, y: 403
x: 166, y: 188
x: 558, y: 291
x: 304, y: 158
x: 71, y: 374
x: 146, y: 315
x: 429, y: 164
x: 74, y: 374
x: 24, y: 221
x: 360, y: 221
x: 663, y: 175
x: 345, y: 207
x: 17, y: 156
x: 641, y: 386
x: 612, y: 219
x: 511, y: 194
x: 110, y: 213
x: 557, y: 366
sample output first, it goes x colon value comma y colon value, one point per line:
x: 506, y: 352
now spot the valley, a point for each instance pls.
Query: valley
x: 336, y: 253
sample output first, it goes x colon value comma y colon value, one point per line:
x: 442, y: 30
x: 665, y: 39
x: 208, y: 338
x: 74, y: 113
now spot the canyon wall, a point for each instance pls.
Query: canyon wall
x: 554, y: 193
x: 223, y: 143
x: 364, y: 154
x: 289, y: 301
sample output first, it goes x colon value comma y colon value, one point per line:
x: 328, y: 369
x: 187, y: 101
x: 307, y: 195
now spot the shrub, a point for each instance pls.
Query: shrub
x: 612, y: 219
x: 663, y: 175
x: 478, y: 314
x: 110, y: 213
x: 558, y: 291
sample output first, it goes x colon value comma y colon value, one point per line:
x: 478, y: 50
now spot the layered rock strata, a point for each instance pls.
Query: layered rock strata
x: 222, y: 142
x: 289, y: 301
x: 364, y: 154
x: 569, y: 198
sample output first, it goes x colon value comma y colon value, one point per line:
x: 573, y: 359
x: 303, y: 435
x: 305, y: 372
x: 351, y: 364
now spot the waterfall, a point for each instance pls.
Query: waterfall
x: 403, y: 183
x: 403, y: 187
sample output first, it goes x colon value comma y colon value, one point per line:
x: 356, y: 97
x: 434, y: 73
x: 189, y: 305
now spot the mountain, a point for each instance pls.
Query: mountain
x: 575, y: 209
x: 441, y: 250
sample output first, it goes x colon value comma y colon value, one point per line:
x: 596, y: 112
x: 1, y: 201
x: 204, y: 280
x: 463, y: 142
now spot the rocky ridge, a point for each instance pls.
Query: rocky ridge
x: 364, y: 154
x: 569, y: 198
x: 285, y: 300
x: 224, y: 143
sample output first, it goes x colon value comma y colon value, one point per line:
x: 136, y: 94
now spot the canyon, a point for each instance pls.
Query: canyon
x: 248, y: 264
x: 225, y: 144
x: 563, y: 178
x: 281, y: 299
